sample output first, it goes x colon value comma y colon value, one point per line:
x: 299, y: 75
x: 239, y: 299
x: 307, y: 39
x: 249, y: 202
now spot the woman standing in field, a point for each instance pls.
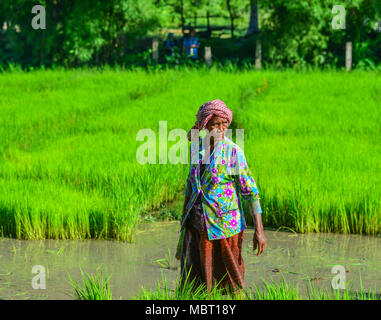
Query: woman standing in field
x: 213, y: 222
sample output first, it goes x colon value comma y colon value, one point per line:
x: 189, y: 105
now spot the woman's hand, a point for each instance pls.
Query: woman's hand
x: 259, y: 241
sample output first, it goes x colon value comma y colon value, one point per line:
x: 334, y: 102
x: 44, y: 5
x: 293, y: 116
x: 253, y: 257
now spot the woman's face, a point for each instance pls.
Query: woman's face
x: 217, y: 127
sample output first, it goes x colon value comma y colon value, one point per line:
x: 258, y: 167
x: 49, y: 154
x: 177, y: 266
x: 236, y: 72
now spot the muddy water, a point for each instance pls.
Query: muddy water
x: 295, y: 257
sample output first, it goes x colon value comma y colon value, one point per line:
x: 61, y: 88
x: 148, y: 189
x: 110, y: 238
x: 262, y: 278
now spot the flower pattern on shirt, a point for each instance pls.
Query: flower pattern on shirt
x: 225, y: 180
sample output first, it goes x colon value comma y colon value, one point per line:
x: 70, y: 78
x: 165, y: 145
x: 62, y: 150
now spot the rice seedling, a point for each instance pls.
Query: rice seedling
x: 93, y: 287
x: 14, y: 249
x: 274, y: 291
x: 270, y: 290
x: 56, y: 252
x: 188, y: 290
x: 168, y: 262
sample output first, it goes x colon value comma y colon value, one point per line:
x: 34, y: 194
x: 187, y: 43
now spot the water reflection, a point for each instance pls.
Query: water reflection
x: 295, y: 257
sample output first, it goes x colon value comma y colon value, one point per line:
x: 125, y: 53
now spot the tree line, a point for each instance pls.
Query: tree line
x: 89, y: 32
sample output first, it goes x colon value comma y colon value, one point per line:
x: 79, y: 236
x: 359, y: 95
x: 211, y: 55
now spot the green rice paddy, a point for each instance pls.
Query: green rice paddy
x: 68, y: 166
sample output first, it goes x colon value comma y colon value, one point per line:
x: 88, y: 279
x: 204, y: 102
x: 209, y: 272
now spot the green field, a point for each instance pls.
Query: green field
x: 68, y: 145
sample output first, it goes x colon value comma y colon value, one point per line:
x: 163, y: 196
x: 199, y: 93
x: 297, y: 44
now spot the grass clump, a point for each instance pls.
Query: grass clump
x: 270, y: 290
x: 93, y: 287
x: 187, y: 291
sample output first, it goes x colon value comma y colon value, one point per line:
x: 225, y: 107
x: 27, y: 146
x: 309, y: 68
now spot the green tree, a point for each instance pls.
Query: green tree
x: 235, y: 10
x: 300, y: 32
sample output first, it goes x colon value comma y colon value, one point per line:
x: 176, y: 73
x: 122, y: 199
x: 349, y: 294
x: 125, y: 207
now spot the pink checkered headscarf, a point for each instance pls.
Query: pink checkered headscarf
x: 208, y: 110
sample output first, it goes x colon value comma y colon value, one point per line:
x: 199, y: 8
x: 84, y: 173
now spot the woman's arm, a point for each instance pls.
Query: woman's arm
x: 249, y: 192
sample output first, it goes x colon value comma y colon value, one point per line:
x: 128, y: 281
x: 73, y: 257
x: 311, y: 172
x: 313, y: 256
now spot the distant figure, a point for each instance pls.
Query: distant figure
x: 191, y: 45
x: 170, y: 44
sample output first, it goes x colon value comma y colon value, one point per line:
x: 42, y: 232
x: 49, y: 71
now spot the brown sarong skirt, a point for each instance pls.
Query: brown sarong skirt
x: 210, y: 261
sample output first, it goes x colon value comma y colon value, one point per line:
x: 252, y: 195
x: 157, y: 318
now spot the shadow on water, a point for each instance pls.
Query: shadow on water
x: 296, y: 257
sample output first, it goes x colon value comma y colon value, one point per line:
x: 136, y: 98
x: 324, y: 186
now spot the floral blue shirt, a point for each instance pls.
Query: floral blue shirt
x: 225, y: 181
